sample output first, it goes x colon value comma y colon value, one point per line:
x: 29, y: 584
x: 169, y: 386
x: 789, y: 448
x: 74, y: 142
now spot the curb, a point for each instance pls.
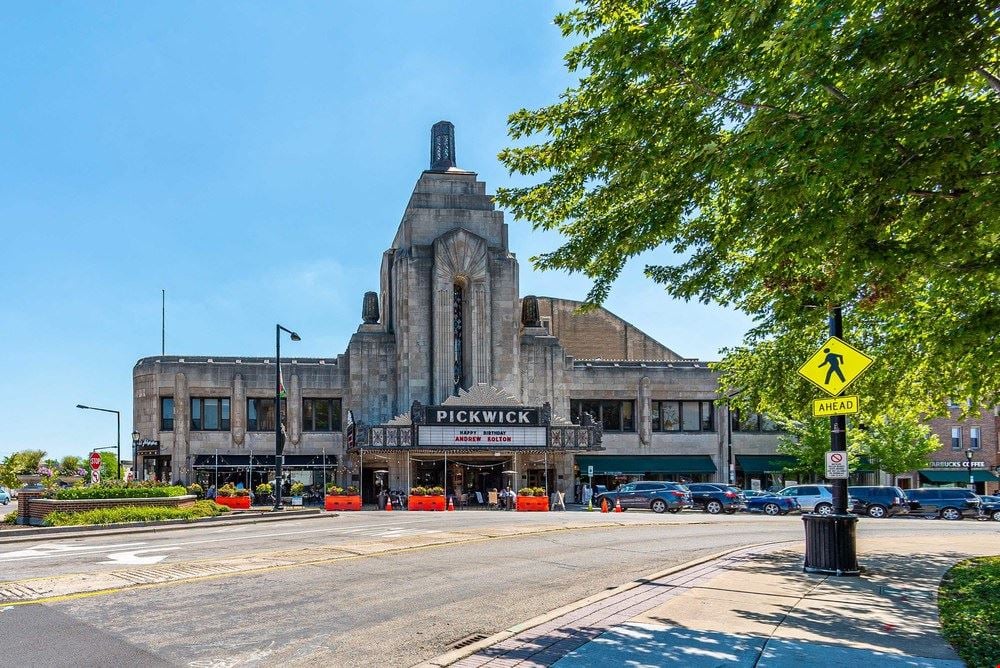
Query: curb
x: 455, y: 655
x: 44, y: 533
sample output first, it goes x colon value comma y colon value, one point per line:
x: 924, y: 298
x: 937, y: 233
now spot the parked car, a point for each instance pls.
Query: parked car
x: 877, y: 501
x: 989, y: 508
x: 657, y: 496
x: 771, y: 504
x: 950, y: 503
x: 812, y: 498
x: 715, y: 498
x: 753, y: 493
x: 4, y: 497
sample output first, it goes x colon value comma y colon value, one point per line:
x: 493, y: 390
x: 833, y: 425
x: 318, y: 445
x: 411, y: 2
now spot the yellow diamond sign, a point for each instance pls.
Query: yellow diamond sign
x: 835, y: 366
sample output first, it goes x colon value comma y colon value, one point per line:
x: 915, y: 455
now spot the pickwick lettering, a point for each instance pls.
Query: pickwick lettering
x: 485, y: 416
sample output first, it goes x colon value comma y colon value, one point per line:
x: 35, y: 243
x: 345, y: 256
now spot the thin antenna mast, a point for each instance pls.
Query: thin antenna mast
x: 163, y: 322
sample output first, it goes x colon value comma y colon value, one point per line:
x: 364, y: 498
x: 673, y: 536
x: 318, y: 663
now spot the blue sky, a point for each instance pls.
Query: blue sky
x: 253, y: 159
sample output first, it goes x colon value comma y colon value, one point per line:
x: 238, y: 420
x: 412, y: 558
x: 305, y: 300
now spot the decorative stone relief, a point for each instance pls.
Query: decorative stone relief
x: 369, y: 309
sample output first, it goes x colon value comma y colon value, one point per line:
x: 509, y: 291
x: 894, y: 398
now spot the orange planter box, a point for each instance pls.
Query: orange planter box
x: 342, y: 502
x: 532, y: 503
x: 234, y: 502
x: 426, y: 503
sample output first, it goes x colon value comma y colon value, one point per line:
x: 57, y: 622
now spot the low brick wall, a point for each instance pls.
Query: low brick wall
x: 32, y: 510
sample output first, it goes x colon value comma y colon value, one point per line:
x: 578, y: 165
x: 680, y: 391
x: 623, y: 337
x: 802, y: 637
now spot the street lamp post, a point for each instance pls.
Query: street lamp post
x: 279, y: 446
x: 135, y: 450
x: 118, y: 419
x: 968, y: 460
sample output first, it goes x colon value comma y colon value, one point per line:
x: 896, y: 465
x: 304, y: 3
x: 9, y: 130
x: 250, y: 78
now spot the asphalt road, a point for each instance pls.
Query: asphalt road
x: 392, y: 608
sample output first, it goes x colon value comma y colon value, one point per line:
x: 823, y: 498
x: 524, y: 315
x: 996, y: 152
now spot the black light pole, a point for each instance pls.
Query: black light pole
x: 135, y: 450
x: 968, y: 459
x: 279, y: 446
x: 838, y: 426
x: 118, y: 418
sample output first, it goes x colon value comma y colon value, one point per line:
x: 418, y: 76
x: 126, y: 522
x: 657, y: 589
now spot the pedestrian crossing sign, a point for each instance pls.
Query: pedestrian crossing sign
x: 835, y: 366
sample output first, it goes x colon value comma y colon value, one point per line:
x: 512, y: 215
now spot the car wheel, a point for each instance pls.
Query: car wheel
x: 658, y: 505
x: 876, y: 511
x: 713, y: 507
x: 674, y: 510
x: 996, y: 515
x: 823, y: 509
x: 951, y: 513
x: 771, y: 509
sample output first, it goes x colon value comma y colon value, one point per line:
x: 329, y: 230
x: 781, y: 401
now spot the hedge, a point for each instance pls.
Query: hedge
x: 102, y: 492
x: 135, y: 514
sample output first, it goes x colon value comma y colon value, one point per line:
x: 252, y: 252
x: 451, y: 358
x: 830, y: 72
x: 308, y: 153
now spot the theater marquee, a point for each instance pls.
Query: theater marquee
x: 480, y: 436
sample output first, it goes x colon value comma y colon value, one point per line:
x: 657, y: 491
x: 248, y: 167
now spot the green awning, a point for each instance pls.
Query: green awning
x: 639, y: 464
x: 938, y: 476
x: 765, y: 463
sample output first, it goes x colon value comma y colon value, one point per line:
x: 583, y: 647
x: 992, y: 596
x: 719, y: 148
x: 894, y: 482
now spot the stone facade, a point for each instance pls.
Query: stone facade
x: 446, y: 317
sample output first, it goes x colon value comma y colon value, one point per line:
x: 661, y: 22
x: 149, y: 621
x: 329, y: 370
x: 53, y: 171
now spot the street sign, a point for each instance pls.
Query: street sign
x: 95, y: 477
x: 590, y: 470
x: 845, y: 405
x: 836, y: 465
x: 95, y: 461
x: 835, y: 366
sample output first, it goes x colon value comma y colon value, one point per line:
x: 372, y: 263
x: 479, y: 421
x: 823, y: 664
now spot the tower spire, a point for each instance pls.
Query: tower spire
x: 442, y: 146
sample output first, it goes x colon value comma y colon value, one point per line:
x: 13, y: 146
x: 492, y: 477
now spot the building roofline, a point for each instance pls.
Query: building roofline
x: 230, y: 359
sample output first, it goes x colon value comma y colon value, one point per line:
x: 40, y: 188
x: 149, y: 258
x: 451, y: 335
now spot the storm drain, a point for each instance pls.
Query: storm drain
x: 17, y: 592
x: 468, y: 640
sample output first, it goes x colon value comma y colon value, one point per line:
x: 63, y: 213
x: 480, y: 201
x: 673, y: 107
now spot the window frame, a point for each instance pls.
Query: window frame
x: 956, y: 438
x: 223, y: 407
x: 173, y: 409
x: 283, y: 410
x: 576, y: 409
x: 335, y: 425
x: 975, y: 438
x: 657, y: 408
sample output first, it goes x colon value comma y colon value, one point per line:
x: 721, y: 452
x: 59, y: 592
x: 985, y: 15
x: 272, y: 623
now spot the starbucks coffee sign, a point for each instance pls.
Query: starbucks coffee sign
x: 499, y: 416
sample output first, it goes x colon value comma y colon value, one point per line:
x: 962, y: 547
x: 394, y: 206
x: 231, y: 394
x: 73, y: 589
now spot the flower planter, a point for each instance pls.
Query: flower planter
x: 234, y: 502
x: 29, y: 479
x: 70, y: 479
x: 532, y: 503
x: 426, y: 503
x: 342, y: 502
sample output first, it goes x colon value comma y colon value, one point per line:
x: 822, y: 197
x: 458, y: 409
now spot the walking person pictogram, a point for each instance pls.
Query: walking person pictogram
x: 834, y: 360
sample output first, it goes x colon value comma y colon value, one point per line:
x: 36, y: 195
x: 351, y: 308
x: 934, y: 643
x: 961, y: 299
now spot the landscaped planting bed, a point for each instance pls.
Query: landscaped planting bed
x: 192, y: 511
x: 969, y: 603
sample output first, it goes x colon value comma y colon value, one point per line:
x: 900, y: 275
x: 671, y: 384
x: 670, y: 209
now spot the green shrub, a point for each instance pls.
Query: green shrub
x: 435, y: 491
x: 297, y: 489
x: 264, y: 489
x: 134, y: 514
x: 418, y: 491
x: 333, y: 489
x: 969, y: 603
x: 196, y: 490
x: 118, y: 491
x: 526, y: 491
x: 351, y: 490
x: 539, y: 491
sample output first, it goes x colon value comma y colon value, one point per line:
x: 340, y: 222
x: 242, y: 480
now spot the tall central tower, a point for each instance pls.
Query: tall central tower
x: 449, y: 285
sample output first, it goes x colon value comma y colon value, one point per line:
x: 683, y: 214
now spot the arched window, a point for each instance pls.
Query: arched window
x: 457, y: 332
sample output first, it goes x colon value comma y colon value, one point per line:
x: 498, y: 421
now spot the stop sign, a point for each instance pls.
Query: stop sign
x: 95, y: 461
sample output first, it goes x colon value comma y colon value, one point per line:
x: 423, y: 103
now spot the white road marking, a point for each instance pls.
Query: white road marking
x: 134, y: 559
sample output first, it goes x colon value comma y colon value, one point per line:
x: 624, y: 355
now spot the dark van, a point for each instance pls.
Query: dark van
x: 950, y: 503
x: 877, y: 501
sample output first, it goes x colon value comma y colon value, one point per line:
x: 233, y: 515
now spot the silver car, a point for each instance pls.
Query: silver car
x: 812, y: 498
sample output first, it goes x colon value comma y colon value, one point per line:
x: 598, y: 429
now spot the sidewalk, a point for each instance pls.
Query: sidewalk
x: 752, y: 607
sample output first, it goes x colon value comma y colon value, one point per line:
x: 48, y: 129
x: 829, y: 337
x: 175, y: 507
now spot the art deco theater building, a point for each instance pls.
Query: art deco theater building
x: 452, y: 378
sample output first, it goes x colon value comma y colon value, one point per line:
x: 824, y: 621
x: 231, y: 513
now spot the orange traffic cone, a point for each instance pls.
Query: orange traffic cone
x: 451, y: 503
x: 618, y: 505
x: 604, y: 505
x: 388, y: 504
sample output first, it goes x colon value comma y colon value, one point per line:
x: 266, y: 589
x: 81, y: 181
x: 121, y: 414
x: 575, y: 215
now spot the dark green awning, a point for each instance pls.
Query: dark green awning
x: 638, y: 464
x: 765, y: 463
x: 938, y: 476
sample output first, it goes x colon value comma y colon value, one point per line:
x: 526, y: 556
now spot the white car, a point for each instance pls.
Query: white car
x: 812, y: 498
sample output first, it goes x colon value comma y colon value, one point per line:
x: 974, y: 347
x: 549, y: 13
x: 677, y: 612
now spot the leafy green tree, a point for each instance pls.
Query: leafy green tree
x: 793, y: 156
x: 809, y: 441
x: 896, y: 445
x: 17, y: 463
x: 109, y: 466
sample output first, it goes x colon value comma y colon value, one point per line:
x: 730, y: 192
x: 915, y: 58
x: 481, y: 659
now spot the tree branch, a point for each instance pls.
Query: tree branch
x: 993, y: 81
x: 742, y: 103
x: 950, y: 194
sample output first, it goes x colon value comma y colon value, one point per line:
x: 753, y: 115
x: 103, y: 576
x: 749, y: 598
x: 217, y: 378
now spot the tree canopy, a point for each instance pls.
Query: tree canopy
x: 793, y: 156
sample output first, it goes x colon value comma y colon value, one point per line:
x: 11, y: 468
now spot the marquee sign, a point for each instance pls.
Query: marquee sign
x: 486, y: 437
x: 472, y: 416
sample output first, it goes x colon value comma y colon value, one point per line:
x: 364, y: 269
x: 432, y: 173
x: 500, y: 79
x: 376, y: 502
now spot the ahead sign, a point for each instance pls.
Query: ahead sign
x: 836, y: 465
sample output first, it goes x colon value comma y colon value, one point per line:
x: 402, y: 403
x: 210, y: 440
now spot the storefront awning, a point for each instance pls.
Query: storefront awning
x: 638, y: 464
x: 756, y: 464
x: 935, y: 476
x: 263, y: 461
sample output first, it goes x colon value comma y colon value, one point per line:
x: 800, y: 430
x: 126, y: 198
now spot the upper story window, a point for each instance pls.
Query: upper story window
x: 209, y: 414
x: 753, y: 422
x: 956, y: 438
x: 682, y: 415
x: 614, y: 415
x: 166, y: 413
x: 320, y: 415
x: 260, y: 414
x: 974, y: 441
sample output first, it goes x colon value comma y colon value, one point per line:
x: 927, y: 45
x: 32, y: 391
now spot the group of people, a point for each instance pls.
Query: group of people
x: 507, y: 497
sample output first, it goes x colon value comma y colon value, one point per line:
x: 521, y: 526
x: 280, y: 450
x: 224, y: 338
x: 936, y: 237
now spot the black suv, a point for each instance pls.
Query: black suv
x: 878, y: 502
x: 715, y: 498
x: 657, y: 496
x: 951, y: 503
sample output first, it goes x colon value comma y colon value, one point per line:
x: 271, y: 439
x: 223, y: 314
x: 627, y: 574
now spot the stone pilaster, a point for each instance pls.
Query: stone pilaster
x: 238, y: 410
x: 294, y: 403
x: 180, y: 463
x: 643, y: 415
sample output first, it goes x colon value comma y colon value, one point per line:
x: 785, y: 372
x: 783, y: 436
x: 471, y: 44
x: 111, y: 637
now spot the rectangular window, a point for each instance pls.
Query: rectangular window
x: 321, y: 415
x: 974, y: 438
x: 209, y: 414
x: 166, y: 413
x: 654, y: 415
x: 613, y: 415
x: 684, y: 416
x: 260, y: 414
x: 956, y: 438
